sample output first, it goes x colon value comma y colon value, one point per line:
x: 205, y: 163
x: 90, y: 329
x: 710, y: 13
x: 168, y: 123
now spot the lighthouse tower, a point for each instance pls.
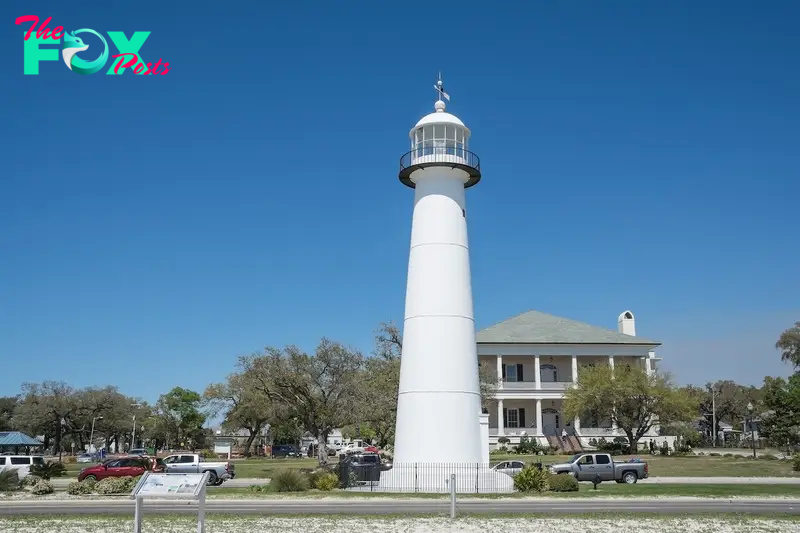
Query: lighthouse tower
x: 439, y: 395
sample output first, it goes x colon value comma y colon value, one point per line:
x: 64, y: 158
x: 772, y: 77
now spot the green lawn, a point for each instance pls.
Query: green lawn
x: 690, y: 466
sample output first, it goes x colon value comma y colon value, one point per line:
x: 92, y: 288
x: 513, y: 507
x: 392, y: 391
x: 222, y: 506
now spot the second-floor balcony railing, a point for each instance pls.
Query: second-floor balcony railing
x: 531, y: 385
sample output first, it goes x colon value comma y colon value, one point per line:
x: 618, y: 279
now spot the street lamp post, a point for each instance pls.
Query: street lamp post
x: 752, y: 431
x: 91, y: 434
x: 133, y: 436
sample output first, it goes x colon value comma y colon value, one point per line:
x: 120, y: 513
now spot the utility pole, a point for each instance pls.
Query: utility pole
x: 133, y: 436
x: 714, y: 417
x: 91, y: 435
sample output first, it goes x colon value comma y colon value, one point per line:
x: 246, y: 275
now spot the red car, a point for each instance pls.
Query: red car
x: 123, y: 466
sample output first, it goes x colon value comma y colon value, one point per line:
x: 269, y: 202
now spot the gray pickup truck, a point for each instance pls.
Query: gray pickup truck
x: 592, y: 466
x: 192, y: 463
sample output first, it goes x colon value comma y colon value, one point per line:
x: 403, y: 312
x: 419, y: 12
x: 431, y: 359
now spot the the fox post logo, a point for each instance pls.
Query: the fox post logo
x: 72, y: 44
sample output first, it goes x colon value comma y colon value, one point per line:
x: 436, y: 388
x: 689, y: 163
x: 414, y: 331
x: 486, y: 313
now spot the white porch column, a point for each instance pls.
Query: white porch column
x: 574, y: 369
x: 501, y: 425
x: 538, y: 371
x: 539, y: 417
x: 577, y: 425
x: 614, y: 428
x: 648, y: 363
x: 499, y: 371
x: 611, y: 364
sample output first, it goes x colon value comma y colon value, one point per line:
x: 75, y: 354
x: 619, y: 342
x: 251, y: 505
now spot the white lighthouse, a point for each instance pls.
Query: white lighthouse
x: 439, y: 395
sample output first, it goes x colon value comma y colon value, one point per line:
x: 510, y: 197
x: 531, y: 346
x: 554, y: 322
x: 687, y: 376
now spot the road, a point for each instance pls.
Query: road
x: 399, y: 507
x: 61, y: 483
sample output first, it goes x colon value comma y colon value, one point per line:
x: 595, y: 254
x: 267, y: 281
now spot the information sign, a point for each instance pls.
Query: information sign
x: 170, y: 486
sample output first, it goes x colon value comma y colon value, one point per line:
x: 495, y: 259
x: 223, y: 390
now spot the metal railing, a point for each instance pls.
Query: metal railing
x: 430, y: 478
x: 440, y: 154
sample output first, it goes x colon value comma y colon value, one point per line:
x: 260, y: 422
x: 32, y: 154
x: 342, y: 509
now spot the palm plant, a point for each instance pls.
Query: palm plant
x: 48, y: 470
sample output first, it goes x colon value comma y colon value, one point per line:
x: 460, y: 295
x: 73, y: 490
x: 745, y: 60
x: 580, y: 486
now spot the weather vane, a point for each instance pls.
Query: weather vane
x: 440, y: 89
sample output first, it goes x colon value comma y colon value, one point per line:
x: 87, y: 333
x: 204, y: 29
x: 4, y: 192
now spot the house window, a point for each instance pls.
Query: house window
x: 513, y: 418
x: 511, y: 373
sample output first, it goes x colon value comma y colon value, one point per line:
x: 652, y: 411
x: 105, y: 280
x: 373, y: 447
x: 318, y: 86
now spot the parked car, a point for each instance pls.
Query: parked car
x: 137, y: 451
x: 361, y: 468
x: 190, y: 463
x: 86, y: 458
x: 285, y: 450
x: 358, y: 446
x: 601, y: 466
x: 20, y: 463
x: 134, y: 465
x: 511, y: 468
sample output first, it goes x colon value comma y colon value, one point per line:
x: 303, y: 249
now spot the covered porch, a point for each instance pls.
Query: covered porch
x: 540, y: 418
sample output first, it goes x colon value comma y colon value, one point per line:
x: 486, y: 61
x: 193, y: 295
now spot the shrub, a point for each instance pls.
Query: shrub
x: 70, y: 460
x: 48, y: 470
x: 290, y: 481
x: 796, y: 462
x: 315, y: 475
x: 327, y: 482
x: 563, y: 483
x: 531, y: 479
x: 113, y: 485
x: 208, y: 454
x: 259, y: 488
x: 528, y: 446
x: 9, y: 480
x: 727, y: 455
x: 91, y: 482
x: 714, y: 454
x: 30, y: 480
x: 78, y: 488
x: 42, y: 487
x: 768, y: 457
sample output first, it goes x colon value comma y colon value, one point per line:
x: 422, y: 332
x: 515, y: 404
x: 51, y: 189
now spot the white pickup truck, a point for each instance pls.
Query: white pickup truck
x: 192, y: 463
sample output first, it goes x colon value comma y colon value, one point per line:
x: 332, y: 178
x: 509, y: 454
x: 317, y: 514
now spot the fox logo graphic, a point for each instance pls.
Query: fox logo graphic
x: 72, y: 45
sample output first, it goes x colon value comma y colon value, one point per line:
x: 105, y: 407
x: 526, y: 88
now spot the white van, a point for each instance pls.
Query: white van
x: 20, y: 463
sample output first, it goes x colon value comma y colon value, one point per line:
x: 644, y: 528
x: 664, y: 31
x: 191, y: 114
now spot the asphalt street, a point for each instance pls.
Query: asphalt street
x: 400, y: 507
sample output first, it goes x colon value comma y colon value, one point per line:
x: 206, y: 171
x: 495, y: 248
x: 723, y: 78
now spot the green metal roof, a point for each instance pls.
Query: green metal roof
x: 534, y: 327
x: 15, y: 438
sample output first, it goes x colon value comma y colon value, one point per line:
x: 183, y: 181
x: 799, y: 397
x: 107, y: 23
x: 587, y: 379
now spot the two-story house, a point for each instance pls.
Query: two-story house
x: 538, y: 356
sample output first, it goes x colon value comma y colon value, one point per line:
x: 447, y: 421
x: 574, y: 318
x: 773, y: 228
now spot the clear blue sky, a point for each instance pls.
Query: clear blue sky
x: 636, y: 155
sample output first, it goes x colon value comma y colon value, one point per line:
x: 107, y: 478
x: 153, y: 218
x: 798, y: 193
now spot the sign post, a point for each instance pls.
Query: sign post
x: 170, y: 486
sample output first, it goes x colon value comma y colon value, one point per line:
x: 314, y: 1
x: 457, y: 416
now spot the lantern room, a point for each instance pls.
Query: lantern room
x: 440, y: 139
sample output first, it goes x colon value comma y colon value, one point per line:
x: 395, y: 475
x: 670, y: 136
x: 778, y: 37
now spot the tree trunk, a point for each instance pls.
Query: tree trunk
x: 322, y: 449
x: 249, y: 442
x: 633, y: 441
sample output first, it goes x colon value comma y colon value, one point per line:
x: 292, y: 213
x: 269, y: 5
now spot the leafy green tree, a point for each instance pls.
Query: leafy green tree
x: 781, y: 423
x: 318, y: 390
x: 727, y: 398
x: 789, y: 345
x: 628, y: 396
x: 243, y: 405
x: 7, y: 406
x: 179, y: 417
x: 43, y: 410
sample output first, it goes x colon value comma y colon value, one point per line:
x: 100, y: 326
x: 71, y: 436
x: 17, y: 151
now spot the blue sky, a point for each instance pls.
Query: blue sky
x: 635, y: 155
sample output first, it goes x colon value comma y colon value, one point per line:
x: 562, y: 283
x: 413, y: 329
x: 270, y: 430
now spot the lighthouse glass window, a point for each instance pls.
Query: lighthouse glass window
x: 440, y: 139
